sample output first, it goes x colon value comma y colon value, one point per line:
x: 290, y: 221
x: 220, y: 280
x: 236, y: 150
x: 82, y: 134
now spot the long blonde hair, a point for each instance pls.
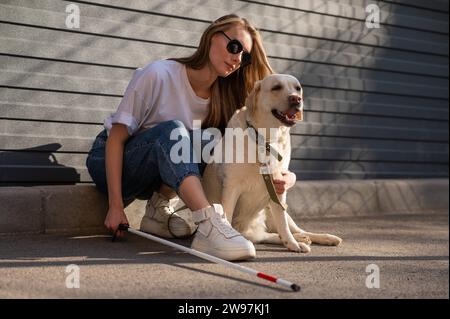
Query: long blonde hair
x: 228, y: 94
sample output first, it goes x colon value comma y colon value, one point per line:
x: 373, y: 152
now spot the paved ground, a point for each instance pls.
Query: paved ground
x: 412, y: 253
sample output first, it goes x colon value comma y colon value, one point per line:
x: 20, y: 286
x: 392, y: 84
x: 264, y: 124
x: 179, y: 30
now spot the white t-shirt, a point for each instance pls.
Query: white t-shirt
x: 158, y: 92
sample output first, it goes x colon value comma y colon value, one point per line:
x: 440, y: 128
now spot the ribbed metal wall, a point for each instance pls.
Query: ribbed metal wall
x: 376, y: 100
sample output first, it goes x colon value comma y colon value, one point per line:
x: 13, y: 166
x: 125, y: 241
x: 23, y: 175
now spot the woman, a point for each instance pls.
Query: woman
x: 131, y: 157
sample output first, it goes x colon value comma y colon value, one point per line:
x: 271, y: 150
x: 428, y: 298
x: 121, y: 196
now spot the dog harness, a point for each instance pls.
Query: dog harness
x: 264, y: 169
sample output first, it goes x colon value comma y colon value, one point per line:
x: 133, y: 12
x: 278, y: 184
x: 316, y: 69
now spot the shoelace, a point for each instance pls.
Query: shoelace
x: 224, y: 225
x: 166, y: 206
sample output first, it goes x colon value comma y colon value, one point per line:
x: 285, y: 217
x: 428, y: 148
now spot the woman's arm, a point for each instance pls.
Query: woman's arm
x: 114, y: 160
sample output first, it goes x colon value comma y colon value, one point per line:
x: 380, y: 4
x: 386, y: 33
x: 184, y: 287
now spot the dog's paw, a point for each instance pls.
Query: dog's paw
x: 301, y: 238
x: 292, y: 245
x: 297, y: 247
x: 332, y: 240
x: 304, y: 248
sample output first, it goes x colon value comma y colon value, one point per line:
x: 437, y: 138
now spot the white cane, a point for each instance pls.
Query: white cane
x: 280, y: 281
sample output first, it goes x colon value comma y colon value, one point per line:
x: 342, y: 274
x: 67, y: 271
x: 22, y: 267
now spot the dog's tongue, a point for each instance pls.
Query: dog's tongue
x: 291, y: 112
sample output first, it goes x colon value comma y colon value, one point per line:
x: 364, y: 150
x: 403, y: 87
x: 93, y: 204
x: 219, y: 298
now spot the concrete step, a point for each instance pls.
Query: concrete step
x: 81, y: 208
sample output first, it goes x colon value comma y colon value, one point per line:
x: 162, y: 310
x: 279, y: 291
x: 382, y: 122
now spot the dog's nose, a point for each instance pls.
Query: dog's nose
x: 294, y: 99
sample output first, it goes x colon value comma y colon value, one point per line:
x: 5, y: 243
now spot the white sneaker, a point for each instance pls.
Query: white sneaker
x: 160, y: 219
x: 216, y: 237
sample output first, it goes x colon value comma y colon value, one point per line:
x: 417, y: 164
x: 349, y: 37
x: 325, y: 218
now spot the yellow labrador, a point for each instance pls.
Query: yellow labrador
x: 272, y: 108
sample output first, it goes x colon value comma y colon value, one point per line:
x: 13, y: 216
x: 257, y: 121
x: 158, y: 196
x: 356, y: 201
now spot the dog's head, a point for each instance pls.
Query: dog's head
x: 277, y: 100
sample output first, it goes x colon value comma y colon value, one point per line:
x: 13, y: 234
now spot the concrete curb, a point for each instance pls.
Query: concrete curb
x: 82, y: 209
x: 47, y: 209
x: 350, y: 198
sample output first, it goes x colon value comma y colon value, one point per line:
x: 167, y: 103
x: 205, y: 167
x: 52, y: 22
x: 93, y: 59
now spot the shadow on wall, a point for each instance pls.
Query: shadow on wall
x: 35, y: 166
x: 373, y: 107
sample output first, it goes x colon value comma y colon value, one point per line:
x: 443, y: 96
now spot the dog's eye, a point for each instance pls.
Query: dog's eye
x: 298, y: 88
x: 277, y: 87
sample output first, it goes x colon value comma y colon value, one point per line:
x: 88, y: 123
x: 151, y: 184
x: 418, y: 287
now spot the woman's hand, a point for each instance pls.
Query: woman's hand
x: 115, y: 217
x: 287, y: 181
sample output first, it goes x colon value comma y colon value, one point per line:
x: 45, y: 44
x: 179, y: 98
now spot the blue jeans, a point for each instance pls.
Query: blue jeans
x: 146, y: 161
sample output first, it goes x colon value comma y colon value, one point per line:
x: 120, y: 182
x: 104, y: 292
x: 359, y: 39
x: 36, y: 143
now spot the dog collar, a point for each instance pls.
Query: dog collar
x: 269, y: 148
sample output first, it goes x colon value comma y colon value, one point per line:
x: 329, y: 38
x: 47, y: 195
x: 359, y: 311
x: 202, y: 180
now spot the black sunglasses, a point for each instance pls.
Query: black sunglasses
x: 235, y: 47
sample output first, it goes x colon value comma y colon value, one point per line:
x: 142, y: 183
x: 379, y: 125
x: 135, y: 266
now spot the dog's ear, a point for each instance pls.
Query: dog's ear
x: 252, y: 98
